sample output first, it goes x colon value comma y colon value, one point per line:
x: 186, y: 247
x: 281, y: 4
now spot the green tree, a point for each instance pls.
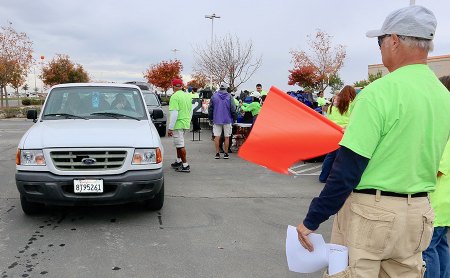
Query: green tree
x: 62, y: 70
x: 371, y: 77
x: 336, y: 83
x: 25, y: 88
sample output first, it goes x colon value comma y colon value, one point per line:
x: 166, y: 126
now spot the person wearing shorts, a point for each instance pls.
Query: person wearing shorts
x: 222, y: 113
x: 180, y: 108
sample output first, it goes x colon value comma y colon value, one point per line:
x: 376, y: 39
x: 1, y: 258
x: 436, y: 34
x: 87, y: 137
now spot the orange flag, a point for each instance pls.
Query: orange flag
x: 287, y: 131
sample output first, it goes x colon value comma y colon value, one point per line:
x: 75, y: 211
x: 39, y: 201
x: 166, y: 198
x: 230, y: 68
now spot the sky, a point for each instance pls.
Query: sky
x: 117, y: 41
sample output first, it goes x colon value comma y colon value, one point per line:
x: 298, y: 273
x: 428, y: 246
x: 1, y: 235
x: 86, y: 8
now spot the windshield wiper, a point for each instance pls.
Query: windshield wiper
x: 115, y: 115
x: 66, y: 115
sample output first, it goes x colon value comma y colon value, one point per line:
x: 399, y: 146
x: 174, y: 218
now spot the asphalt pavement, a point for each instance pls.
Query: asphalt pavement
x: 227, y: 218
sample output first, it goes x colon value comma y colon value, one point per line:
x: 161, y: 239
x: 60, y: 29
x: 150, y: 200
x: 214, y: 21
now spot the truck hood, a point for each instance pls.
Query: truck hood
x: 75, y: 133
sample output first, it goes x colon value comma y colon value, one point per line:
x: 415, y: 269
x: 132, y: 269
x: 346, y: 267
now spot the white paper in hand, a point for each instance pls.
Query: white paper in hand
x: 301, y: 260
x: 338, y: 258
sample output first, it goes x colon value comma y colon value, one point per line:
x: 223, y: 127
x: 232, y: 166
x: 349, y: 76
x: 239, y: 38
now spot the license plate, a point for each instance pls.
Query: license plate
x: 88, y: 186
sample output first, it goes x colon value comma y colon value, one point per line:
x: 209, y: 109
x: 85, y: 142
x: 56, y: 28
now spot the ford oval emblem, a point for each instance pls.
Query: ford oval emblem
x: 88, y: 161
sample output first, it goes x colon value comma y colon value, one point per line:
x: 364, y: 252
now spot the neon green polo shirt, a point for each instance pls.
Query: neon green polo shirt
x: 321, y: 101
x: 338, y: 118
x: 440, y: 198
x: 401, y: 123
x: 253, y: 107
x: 182, y: 102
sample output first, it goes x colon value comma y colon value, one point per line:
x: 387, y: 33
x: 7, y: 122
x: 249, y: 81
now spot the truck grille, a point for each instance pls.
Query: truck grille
x: 87, y: 160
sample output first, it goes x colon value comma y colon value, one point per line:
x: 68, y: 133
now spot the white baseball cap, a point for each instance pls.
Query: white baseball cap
x: 412, y: 21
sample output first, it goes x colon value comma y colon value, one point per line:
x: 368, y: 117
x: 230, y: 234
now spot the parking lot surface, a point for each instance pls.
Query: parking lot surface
x: 227, y: 218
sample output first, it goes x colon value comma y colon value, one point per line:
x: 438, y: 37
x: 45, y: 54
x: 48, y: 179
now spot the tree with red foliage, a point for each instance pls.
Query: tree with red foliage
x: 162, y: 74
x: 304, y: 76
x: 62, y: 70
x: 319, y: 69
x: 199, y: 80
x: 15, y: 59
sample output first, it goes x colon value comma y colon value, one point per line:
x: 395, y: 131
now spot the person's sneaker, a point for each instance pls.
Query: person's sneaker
x: 176, y: 164
x: 226, y: 156
x: 217, y: 156
x: 186, y: 169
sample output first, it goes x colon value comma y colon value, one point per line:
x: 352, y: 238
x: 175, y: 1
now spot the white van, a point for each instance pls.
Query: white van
x: 92, y: 144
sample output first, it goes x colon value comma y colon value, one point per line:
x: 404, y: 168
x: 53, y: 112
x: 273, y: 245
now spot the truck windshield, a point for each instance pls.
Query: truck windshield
x: 93, y: 102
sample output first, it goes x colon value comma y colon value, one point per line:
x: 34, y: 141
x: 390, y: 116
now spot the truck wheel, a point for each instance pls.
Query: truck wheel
x: 31, y: 208
x: 162, y: 131
x: 157, y: 202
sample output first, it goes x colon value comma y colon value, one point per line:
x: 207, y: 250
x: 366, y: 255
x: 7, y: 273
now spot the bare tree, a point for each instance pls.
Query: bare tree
x: 15, y: 58
x: 227, y: 60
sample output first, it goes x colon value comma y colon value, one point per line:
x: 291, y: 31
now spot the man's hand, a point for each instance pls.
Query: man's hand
x: 303, y: 233
x: 169, y: 132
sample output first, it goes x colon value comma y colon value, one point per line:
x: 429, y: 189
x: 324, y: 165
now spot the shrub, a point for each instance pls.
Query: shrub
x: 37, y: 101
x: 165, y: 99
x: 26, y: 101
x: 13, y: 112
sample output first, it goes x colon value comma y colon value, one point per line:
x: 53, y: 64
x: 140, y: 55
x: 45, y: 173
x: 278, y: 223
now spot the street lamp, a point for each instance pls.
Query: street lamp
x: 42, y: 72
x: 175, y: 52
x: 212, y: 17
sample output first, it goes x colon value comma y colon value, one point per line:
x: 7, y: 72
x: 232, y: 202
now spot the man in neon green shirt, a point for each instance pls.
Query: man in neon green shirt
x: 389, y: 157
x: 437, y: 256
x: 260, y: 90
x: 180, y: 108
x: 254, y: 107
x: 321, y: 101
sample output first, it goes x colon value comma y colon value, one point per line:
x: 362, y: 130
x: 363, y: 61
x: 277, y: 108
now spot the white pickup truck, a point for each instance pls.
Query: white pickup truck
x: 92, y: 144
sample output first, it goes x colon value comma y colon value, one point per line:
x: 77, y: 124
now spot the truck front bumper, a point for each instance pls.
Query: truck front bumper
x: 48, y: 188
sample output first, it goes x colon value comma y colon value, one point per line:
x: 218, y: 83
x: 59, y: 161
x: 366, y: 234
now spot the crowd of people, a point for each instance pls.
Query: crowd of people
x: 393, y: 159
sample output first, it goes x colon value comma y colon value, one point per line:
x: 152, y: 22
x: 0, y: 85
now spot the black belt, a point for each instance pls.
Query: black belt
x: 392, y: 194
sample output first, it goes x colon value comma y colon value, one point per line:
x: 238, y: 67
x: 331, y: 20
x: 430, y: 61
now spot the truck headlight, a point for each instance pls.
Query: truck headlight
x: 147, y: 156
x: 30, y: 158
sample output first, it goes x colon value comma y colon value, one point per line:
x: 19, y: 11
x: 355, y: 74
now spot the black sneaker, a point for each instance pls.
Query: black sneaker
x: 176, y: 164
x: 186, y: 169
x: 226, y: 156
x: 217, y: 156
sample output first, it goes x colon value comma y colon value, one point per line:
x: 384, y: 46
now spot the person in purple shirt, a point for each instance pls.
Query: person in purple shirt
x: 222, y: 113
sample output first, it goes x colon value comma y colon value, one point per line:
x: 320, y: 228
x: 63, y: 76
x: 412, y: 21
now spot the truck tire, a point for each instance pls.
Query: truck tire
x: 162, y: 131
x: 157, y: 202
x: 31, y: 208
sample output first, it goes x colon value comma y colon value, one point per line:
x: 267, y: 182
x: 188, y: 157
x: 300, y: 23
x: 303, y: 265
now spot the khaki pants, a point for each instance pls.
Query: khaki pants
x: 385, y: 235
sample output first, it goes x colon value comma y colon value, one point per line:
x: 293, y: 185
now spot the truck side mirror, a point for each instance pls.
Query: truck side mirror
x: 32, y: 114
x: 157, y: 114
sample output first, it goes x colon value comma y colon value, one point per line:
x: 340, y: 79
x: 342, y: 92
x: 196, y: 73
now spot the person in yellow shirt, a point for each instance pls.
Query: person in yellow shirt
x: 339, y: 113
x: 436, y: 256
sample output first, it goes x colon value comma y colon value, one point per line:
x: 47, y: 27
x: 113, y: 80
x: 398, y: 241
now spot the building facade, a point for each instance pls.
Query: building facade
x: 439, y: 64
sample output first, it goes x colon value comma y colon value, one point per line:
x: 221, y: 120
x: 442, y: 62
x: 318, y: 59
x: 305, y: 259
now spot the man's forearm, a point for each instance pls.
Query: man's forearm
x: 344, y: 177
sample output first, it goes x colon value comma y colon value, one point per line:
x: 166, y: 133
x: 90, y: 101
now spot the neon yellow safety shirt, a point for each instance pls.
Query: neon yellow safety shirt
x: 182, y: 102
x: 440, y: 198
x: 401, y: 123
x: 340, y: 119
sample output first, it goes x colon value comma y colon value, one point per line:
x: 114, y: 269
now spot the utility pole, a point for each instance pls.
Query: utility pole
x: 212, y: 17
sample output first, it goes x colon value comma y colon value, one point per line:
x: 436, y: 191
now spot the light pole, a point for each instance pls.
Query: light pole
x: 175, y: 52
x: 212, y: 17
x: 42, y: 72
x: 412, y: 2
